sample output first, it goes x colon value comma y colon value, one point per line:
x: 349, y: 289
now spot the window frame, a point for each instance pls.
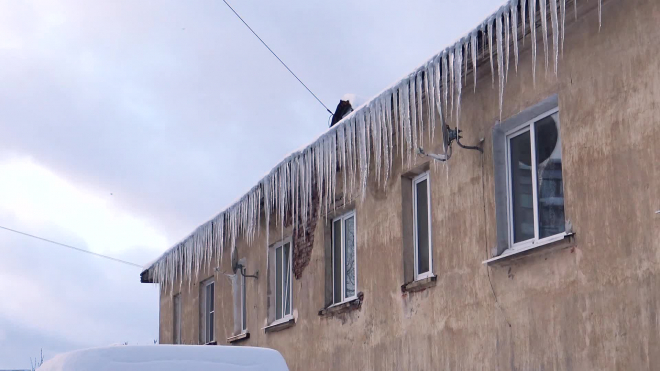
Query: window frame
x: 343, y: 219
x: 209, y: 326
x: 415, y: 181
x: 280, y: 245
x: 526, y: 127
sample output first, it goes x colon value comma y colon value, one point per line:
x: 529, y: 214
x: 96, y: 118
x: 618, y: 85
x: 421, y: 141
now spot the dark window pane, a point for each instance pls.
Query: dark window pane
x: 549, y: 177
x: 521, y: 187
x: 336, y: 259
x: 422, y: 219
x: 349, y: 244
x: 211, y: 327
x: 278, y: 283
x: 287, y: 280
x: 243, y: 303
x: 210, y: 299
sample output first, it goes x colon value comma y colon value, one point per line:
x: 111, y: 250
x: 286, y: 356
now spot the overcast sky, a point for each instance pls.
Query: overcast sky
x: 125, y: 124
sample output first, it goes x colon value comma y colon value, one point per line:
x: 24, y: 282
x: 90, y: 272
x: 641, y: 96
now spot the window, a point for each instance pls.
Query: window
x: 283, y: 280
x: 534, y: 182
x: 176, y: 311
x: 243, y: 305
x: 207, y: 306
x: 344, y: 267
x: 422, y: 227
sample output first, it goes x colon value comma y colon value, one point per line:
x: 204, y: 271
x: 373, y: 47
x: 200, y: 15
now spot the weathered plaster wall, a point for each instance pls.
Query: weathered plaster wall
x: 593, y: 306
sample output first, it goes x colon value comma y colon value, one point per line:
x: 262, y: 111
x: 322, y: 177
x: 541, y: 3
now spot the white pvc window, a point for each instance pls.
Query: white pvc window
x: 243, y: 305
x: 344, y: 261
x: 422, y: 227
x: 283, y: 285
x: 176, y: 312
x: 208, y: 311
x: 535, y: 182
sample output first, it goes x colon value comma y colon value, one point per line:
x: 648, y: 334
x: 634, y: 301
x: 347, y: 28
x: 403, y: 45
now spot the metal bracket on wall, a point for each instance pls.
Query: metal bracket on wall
x: 242, y: 269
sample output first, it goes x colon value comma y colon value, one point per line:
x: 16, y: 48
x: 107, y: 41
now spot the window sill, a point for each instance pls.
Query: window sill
x: 214, y: 342
x: 343, y: 307
x: 420, y: 284
x: 280, y: 324
x: 564, y: 240
x: 239, y: 337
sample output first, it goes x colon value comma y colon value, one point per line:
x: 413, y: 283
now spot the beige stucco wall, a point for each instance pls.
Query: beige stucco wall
x: 590, y: 307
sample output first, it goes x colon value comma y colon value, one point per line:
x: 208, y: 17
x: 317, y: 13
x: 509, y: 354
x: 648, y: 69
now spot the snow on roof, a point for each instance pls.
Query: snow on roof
x: 168, y: 358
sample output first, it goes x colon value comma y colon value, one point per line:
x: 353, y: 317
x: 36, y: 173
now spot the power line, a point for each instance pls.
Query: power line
x: 278, y: 58
x: 72, y: 247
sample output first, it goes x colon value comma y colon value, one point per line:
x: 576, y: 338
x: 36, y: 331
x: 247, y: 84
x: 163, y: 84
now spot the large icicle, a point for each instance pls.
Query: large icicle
x: 562, y: 4
x: 523, y: 14
x: 452, y: 78
x: 543, y: 11
x: 500, y: 60
x: 430, y: 96
x: 413, y: 117
x: 420, y: 112
x: 474, y: 47
x: 507, y: 27
x: 532, y: 30
x: 445, y: 67
x: 490, y: 50
x: 458, y: 52
x: 514, y: 30
x: 555, y: 31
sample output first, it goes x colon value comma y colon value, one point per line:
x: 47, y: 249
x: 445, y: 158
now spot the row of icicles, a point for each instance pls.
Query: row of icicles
x: 395, y: 120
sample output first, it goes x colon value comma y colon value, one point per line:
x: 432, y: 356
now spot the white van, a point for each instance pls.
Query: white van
x: 168, y: 358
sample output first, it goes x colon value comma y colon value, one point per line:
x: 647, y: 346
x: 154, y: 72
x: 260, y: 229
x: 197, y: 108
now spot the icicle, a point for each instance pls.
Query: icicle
x: 600, y: 14
x: 466, y: 51
x: 413, y: 117
x: 473, y: 45
x: 575, y: 8
x: 406, y: 118
x: 430, y: 98
x: 364, y: 165
x: 532, y: 29
x: 500, y: 60
x: 522, y: 13
x: 377, y: 138
x: 514, y: 30
x: 490, y: 50
x: 562, y: 4
x: 458, y: 52
x: 445, y: 88
x: 420, y: 112
x: 438, y: 93
x: 452, y: 82
x: 396, y: 120
x: 385, y: 137
x: 402, y: 120
x: 507, y: 27
x: 555, y: 31
x: 390, y: 126
x: 543, y: 11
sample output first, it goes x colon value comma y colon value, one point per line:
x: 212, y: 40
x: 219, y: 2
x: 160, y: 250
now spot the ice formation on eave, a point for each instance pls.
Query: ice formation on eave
x: 392, y: 121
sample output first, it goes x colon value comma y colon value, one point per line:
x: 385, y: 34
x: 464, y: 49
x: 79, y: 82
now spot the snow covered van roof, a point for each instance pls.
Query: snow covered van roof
x: 168, y: 358
x: 392, y: 120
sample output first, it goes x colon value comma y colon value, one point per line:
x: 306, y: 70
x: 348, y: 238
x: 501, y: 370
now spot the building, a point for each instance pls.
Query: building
x: 540, y: 253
